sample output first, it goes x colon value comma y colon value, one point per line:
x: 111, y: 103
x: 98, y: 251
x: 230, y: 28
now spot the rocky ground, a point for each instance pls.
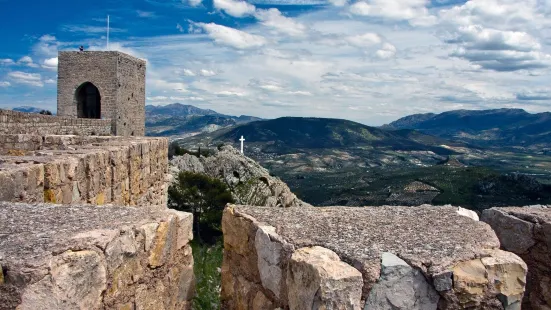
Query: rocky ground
x: 248, y: 181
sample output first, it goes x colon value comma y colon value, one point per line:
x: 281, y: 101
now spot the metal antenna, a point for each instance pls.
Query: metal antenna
x: 107, y: 32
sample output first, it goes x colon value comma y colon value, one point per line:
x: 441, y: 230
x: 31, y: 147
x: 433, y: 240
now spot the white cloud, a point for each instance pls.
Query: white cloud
x: 5, y: 84
x: 364, y: 40
x: 146, y: 14
x: 188, y: 72
x: 34, y: 79
x: 163, y: 85
x: 235, y: 8
x: 229, y: 93
x: 274, y: 19
x: 194, y: 2
x: 414, y: 11
x: 7, y: 62
x: 232, y: 37
x: 205, y: 72
x: 27, y: 61
x: 387, y: 51
x: 179, y: 27
x: 50, y: 63
x: 339, y: 3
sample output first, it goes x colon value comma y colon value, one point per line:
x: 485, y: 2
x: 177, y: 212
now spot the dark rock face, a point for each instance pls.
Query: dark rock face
x: 527, y: 233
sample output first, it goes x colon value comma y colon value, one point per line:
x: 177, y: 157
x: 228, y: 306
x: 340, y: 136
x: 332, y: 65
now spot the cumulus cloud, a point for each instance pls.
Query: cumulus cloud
x: 387, y: 51
x: 50, y: 63
x: 414, y: 11
x: 5, y: 84
x: 364, y: 40
x: 232, y: 37
x: 235, y: 8
x: 497, y: 35
x: 33, y: 79
x: 27, y: 61
x: 274, y: 19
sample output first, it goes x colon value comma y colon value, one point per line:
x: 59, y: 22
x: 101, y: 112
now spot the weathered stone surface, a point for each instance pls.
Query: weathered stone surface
x: 249, y: 182
x: 526, y: 232
x: 468, y: 213
x: 272, y: 251
x: 82, y: 170
x: 318, y: 279
x: 443, y: 251
x: 515, y: 234
x: 501, y: 274
x: 120, y: 80
x: 401, y: 287
x: 53, y: 259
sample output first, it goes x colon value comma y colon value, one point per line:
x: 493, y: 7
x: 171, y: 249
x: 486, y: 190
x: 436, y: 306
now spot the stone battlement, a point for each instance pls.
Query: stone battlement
x: 80, y: 170
x: 378, y: 257
x: 13, y: 122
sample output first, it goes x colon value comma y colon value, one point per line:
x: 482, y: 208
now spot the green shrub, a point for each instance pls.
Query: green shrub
x: 207, y: 260
x: 204, y: 197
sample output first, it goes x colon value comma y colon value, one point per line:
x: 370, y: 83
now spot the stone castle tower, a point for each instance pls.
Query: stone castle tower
x: 103, y: 85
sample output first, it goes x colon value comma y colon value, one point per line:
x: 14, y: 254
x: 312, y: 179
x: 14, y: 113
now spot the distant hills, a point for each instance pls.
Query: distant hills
x: 499, y: 127
x: 287, y: 134
x: 186, y: 120
x: 27, y: 109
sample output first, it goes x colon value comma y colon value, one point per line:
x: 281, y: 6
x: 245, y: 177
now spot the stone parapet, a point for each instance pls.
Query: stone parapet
x: 365, y: 258
x: 13, y: 122
x: 527, y: 233
x: 90, y: 257
x: 76, y: 170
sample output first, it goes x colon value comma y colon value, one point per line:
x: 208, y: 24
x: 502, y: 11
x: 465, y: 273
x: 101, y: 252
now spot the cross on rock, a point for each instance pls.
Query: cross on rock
x: 242, y: 140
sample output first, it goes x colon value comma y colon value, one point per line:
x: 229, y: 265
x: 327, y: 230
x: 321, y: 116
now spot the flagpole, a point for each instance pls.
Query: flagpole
x: 107, y: 32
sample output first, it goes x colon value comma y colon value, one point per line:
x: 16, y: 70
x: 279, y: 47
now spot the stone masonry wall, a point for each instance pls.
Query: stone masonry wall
x: 76, y: 169
x: 13, y: 122
x: 88, y: 257
x: 120, y: 79
x: 372, y: 258
x: 527, y: 233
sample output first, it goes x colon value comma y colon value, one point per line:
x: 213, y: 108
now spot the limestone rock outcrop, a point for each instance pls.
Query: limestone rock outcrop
x: 527, y: 233
x: 89, y: 257
x: 373, y: 257
x: 250, y: 183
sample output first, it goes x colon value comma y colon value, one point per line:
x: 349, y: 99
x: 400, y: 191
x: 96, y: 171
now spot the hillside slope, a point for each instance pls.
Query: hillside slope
x: 500, y: 127
x: 288, y: 133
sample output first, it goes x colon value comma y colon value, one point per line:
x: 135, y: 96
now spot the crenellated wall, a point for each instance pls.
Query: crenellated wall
x: 13, y: 122
x: 76, y: 169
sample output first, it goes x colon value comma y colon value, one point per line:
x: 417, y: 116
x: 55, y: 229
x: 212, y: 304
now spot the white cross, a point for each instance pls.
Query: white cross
x: 242, y: 139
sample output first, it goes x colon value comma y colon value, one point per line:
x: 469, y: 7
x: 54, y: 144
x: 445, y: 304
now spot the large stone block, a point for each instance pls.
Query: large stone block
x: 441, y: 259
x: 526, y: 232
x: 318, y: 279
x: 52, y: 259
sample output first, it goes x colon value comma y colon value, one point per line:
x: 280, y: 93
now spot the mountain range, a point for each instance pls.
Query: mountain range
x: 497, y: 128
x: 186, y: 120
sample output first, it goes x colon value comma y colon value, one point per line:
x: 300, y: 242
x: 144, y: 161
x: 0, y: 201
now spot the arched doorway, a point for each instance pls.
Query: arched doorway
x: 88, y: 101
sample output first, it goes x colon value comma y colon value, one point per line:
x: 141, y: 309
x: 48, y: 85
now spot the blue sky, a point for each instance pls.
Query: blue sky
x: 370, y: 61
